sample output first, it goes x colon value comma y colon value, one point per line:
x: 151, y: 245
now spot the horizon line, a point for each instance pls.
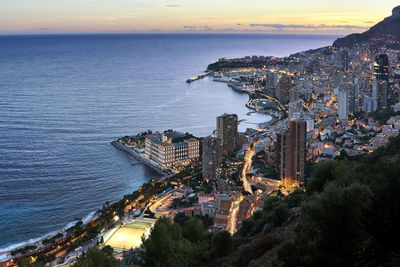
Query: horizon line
x: 166, y: 33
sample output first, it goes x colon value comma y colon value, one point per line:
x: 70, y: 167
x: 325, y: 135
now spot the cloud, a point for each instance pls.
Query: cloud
x: 170, y: 5
x: 369, y: 22
x: 190, y: 27
x: 308, y: 26
x: 44, y: 29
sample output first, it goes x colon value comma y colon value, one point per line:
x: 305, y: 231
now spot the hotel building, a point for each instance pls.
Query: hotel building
x: 164, y: 152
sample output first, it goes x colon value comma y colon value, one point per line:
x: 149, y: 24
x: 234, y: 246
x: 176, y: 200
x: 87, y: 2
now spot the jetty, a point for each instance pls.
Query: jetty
x: 198, y: 77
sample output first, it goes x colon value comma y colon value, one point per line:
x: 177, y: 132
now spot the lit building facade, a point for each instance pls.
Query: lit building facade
x: 343, y: 105
x: 165, y: 153
x: 381, y: 77
x: 271, y: 81
x: 293, y: 153
x: 227, y: 132
x: 212, y: 156
x: 285, y: 85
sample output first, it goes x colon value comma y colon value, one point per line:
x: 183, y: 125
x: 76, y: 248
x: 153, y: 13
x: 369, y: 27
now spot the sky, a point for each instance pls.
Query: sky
x: 198, y: 16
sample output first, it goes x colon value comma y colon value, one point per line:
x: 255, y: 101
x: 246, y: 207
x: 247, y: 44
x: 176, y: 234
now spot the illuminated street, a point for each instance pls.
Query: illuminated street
x: 247, y: 167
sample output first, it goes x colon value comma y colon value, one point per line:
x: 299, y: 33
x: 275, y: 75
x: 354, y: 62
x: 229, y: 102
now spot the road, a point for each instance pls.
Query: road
x: 247, y: 167
x: 232, y: 221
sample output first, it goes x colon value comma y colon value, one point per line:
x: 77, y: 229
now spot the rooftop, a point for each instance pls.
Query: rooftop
x: 209, y: 205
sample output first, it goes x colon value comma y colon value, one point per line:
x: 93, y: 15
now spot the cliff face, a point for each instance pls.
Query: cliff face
x: 390, y: 25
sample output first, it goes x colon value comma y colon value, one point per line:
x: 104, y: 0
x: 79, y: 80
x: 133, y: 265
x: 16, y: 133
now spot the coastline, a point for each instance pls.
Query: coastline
x: 24, y: 243
x: 5, y: 253
x: 138, y: 157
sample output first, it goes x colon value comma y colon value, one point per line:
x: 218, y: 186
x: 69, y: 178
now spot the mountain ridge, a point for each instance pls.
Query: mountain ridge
x: 389, y: 26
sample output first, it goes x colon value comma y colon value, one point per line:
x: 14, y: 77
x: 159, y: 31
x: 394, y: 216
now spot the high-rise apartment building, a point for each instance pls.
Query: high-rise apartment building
x: 212, y: 156
x: 271, y: 82
x: 370, y: 105
x: 345, y: 60
x: 354, y: 98
x: 382, y: 94
x: 285, y: 85
x: 343, y: 104
x: 227, y: 132
x: 381, y: 75
x: 293, y: 153
x: 381, y: 67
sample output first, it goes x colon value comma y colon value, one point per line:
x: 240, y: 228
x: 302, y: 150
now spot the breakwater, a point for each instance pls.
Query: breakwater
x: 139, y: 157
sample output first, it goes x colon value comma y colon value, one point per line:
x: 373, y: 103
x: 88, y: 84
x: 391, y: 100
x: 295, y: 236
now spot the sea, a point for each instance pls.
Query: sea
x: 64, y: 98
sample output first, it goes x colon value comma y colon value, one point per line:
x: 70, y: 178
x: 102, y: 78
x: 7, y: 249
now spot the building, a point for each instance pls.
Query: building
x: 221, y: 199
x: 345, y: 60
x: 327, y: 154
x: 354, y: 98
x: 370, y: 105
x: 271, y: 82
x: 244, y: 211
x: 382, y: 94
x: 343, y: 105
x: 161, y: 150
x: 295, y: 109
x: 293, y: 153
x: 379, y: 92
x: 381, y: 67
x: 202, y: 197
x: 212, y: 156
x: 285, y: 85
x: 224, y: 204
x: 381, y: 77
x: 221, y: 219
x: 227, y: 132
x: 208, y: 209
x: 374, y: 90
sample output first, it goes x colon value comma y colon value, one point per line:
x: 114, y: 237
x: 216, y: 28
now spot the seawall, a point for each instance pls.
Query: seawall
x: 138, y: 157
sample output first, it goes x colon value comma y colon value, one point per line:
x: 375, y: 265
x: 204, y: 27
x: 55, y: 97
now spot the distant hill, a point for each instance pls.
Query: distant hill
x: 389, y: 26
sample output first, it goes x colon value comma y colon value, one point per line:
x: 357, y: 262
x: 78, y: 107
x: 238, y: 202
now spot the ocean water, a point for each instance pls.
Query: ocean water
x: 64, y: 98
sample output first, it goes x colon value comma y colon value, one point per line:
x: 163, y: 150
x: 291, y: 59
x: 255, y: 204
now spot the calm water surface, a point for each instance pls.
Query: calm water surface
x: 64, y: 98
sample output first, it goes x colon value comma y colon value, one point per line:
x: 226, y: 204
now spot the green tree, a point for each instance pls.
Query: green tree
x: 337, y: 216
x: 167, y: 245
x: 222, y: 243
x: 246, y: 227
x: 193, y: 231
x: 96, y: 258
x: 322, y: 173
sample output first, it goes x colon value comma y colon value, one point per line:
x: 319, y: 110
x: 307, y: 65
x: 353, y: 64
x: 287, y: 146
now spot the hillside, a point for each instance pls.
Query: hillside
x: 389, y: 26
x: 347, y: 216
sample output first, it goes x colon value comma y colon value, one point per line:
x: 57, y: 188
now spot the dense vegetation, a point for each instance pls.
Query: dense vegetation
x: 98, y: 258
x: 347, y: 216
